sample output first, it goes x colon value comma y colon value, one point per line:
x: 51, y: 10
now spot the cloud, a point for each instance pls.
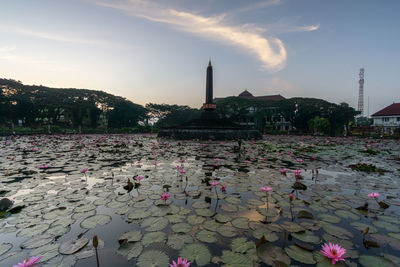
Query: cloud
x: 7, y: 49
x: 269, y: 50
x: 287, y: 25
x: 52, y: 36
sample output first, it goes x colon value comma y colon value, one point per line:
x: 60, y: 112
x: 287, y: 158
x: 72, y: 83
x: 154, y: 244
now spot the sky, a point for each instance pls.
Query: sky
x: 157, y: 50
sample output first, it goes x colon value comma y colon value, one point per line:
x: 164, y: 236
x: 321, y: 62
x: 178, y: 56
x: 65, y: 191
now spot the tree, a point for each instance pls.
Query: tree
x: 319, y: 125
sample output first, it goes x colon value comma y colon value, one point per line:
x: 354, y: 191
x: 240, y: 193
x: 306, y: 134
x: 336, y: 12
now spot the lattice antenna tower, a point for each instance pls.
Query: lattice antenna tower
x: 361, y: 92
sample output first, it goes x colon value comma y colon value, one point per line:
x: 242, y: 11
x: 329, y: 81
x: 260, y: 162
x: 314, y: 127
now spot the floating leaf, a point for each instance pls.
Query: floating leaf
x: 194, y: 219
x: 241, y: 223
x: 204, y: 212
x: 222, y: 218
x: 227, y: 231
x: 96, y: 220
x: 153, y: 237
x: 46, y: 252
x: 206, y: 236
x: 329, y: 218
x: 241, y: 245
x: 269, y: 254
x: 177, y: 241
x: 153, y: 258
x: 153, y: 224
x: 300, y: 254
x: 305, y: 214
x: 181, y: 228
x: 373, y: 261
x: 323, y: 261
x: 347, y: 214
x: 235, y: 259
x: 73, y: 246
x: 307, y: 237
x: 132, y: 236
x: 139, y: 214
x: 4, y: 247
x: 337, y: 231
x: 361, y: 226
x: 130, y: 250
x: 198, y: 253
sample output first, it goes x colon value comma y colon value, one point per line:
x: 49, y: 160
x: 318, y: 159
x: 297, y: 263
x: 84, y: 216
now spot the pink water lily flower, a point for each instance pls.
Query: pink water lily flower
x: 84, y: 170
x: 181, y: 262
x: 139, y: 177
x: 28, y: 262
x: 44, y: 166
x: 283, y: 171
x: 223, y: 188
x: 334, y: 252
x: 165, y: 196
x: 265, y: 189
x: 214, y: 183
x: 373, y: 195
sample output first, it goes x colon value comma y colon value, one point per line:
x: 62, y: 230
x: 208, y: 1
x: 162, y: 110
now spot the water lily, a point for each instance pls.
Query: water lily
x: 334, y: 252
x: 165, y: 196
x: 283, y: 171
x: 28, y: 262
x: 44, y: 166
x: 223, y: 188
x: 84, y: 170
x: 214, y: 183
x: 373, y: 195
x: 265, y: 189
x: 181, y: 262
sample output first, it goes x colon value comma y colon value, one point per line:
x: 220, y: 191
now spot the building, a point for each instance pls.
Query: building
x: 274, y: 120
x: 387, y: 120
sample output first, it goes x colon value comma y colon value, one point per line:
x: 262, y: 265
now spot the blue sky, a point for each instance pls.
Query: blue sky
x: 157, y: 50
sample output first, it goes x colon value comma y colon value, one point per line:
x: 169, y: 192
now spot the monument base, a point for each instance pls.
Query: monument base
x: 207, y: 127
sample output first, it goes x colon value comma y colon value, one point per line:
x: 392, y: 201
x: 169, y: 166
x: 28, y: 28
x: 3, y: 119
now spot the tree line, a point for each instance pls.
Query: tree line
x: 39, y: 105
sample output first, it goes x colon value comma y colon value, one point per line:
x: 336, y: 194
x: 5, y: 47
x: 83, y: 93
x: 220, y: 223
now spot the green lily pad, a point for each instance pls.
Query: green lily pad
x: 361, y: 226
x: 211, y: 225
x: 227, y: 231
x: 4, y: 247
x: 37, y: 241
x: 96, y: 220
x: 300, y: 254
x: 198, y: 253
x: 233, y: 200
x: 222, y: 218
x: 329, y: 218
x: 373, y: 261
x: 154, y: 224
x: 57, y: 230
x: 241, y: 245
x: 181, y: 228
x: 269, y: 254
x: 130, y: 237
x: 305, y: 214
x: 206, y: 236
x: 307, y: 237
x: 241, y: 223
x: 177, y: 241
x: 235, y: 259
x: 194, y: 219
x: 347, y: 214
x: 175, y: 218
x: 72, y: 246
x: 323, y: 261
x: 153, y: 237
x: 268, y: 235
x: 130, y: 250
x: 337, y: 231
x: 153, y: 258
x: 204, y: 212
x: 229, y: 207
x: 46, y: 252
x: 34, y: 230
x: 388, y: 226
x: 292, y: 227
x: 139, y: 214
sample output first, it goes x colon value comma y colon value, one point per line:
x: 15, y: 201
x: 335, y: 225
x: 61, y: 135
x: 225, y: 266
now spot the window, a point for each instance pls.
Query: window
x: 398, y: 118
x: 385, y: 119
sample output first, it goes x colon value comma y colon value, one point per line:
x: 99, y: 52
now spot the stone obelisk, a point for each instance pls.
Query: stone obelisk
x: 209, y: 105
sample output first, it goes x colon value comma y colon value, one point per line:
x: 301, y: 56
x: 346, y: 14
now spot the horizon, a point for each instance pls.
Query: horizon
x: 152, y: 52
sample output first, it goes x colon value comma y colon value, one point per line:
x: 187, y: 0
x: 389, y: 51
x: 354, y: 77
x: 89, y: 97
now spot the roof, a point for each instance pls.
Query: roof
x: 248, y: 95
x: 393, y: 109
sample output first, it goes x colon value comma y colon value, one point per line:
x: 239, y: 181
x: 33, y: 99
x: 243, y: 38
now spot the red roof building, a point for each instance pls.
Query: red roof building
x: 388, y: 119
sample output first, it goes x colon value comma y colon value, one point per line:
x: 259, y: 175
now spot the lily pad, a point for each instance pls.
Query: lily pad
x: 46, y: 252
x: 96, y: 220
x: 206, y: 236
x: 241, y: 223
x: 153, y: 258
x: 241, y: 245
x: 4, y: 247
x: 300, y: 254
x: 337, y: 231
x: 194, y: 219
x: 373, y: 261
x: 177, y: 241
x: 270, y: 253
x: 130, y: 250
x: 153, y: 237
x: 37, y: 241
x: 154, y: 224
x: 307, y: 237
x: 235, y: 259
x: 72, y: 246
x: 198, y: 253
x: 130, y: 237
x: 227, y: 231
x: 181, y: 228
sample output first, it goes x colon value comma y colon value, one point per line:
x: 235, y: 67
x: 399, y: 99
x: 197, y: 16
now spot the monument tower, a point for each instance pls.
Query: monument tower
x: 209, y: 105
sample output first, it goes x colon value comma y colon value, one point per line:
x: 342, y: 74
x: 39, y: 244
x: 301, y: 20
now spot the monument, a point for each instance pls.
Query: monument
x: 209, y: 125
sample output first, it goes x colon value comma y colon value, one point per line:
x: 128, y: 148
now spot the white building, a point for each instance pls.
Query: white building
x: 387, y: 119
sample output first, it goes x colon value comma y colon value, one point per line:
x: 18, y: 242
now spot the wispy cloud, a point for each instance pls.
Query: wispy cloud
x: 7, y: 49
x: 269, y: 50
x: 52, y: 36
x: 256, y: 6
